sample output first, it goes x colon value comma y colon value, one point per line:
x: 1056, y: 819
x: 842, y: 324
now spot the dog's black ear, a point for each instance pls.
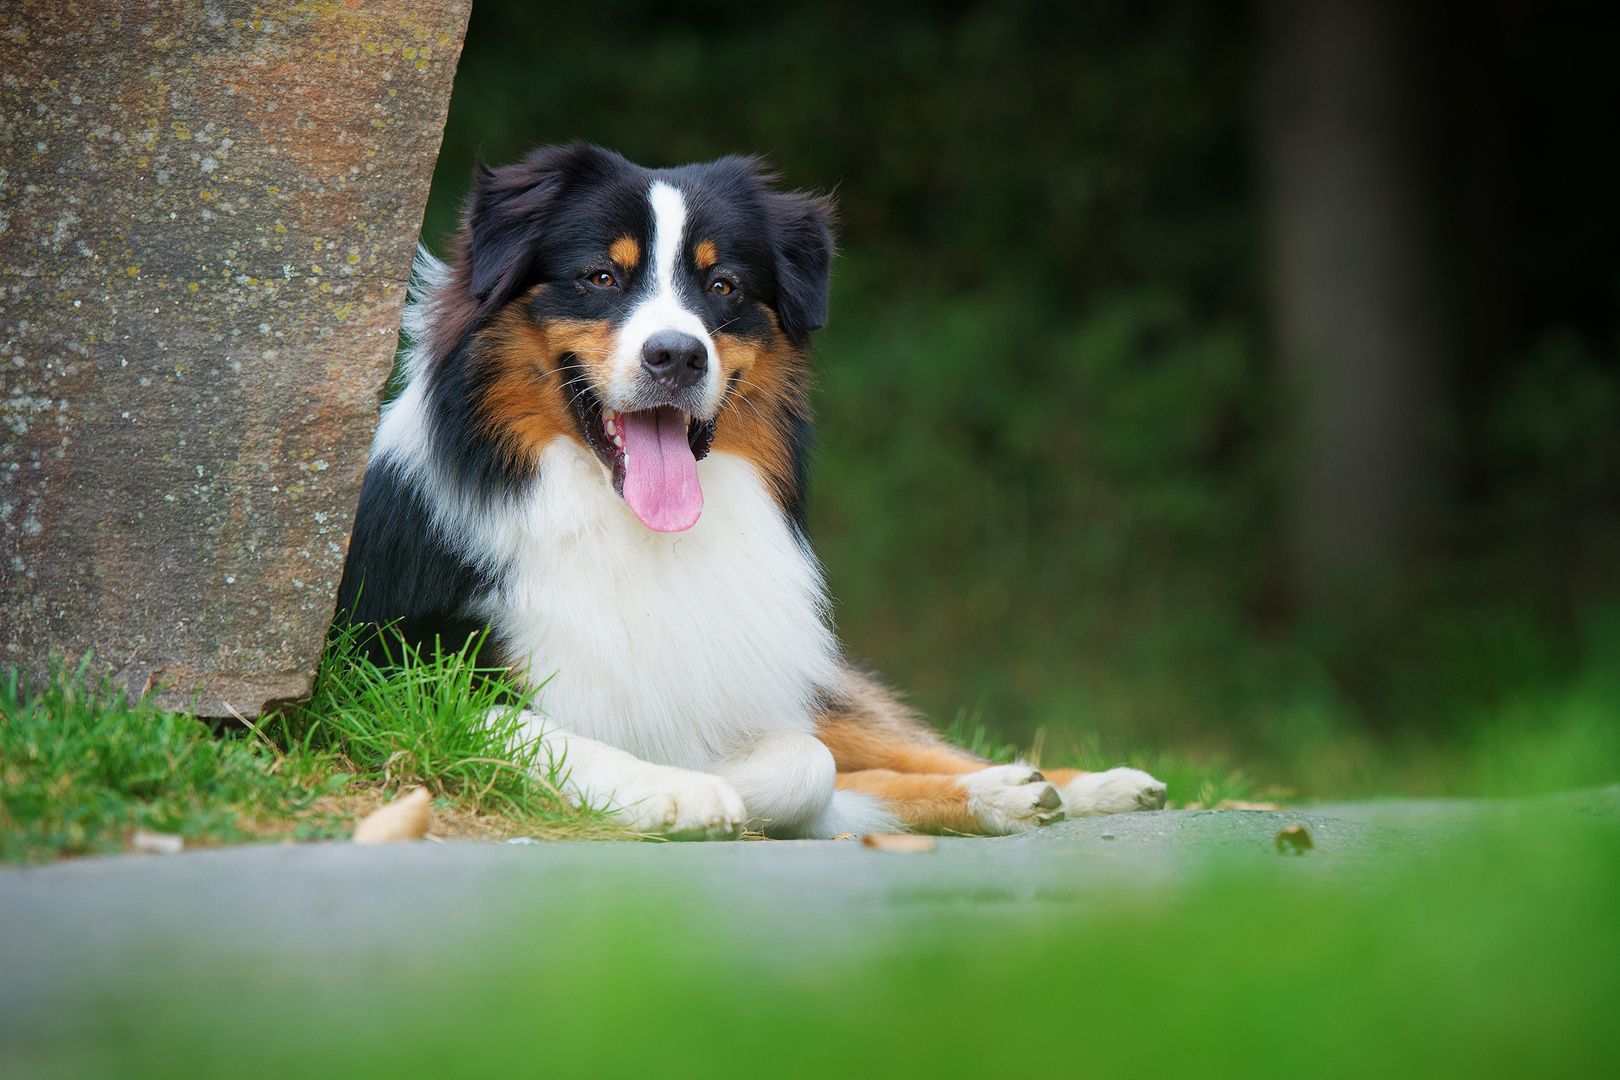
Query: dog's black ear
x: 503, y: 224
x: 506, y: 217
x: 802, y: 225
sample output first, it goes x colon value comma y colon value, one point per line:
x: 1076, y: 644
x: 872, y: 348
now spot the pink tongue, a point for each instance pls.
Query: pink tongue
x: 660, y: 473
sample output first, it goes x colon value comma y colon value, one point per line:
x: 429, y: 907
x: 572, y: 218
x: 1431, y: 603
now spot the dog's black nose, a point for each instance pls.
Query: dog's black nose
x: 675, y: 359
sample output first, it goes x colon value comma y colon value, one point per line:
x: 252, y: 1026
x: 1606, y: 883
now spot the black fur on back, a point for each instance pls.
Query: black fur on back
x: 400, y: 571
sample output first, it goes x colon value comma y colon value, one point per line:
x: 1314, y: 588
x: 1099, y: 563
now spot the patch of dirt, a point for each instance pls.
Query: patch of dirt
x: 333, y: 817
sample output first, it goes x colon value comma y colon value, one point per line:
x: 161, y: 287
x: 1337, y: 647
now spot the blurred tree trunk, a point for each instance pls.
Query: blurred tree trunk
x: 1357, y: 313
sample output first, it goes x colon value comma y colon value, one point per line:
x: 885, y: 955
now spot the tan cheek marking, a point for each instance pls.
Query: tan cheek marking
x: 705, y: 254
x: 626, y: 252
x: 523, y: 405
x: 768, y: 378
x: 736, y: 354
x: 592, y: 342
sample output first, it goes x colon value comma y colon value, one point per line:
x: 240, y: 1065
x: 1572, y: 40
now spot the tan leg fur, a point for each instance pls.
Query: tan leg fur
x: 882, y: 747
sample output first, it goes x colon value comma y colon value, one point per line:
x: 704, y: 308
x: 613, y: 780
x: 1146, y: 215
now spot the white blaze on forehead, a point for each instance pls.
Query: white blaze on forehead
x: 669, y: 222
x: 661, y: 308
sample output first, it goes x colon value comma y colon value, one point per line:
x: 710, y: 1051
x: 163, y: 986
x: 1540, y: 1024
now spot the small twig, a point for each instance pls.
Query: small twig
x: 280, y: 757
x: 388, y: 766
x: 518, y: 768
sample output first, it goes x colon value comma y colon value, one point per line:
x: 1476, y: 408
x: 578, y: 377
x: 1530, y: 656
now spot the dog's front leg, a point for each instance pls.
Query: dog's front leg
x: 680, y: 804
x: 785, y: 779
x: 788, y: 780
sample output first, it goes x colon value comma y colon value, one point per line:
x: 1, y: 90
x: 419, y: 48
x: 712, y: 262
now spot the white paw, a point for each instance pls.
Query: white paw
x: 1117, y: 791
x: 678, y: 803
x: 1011, y: 798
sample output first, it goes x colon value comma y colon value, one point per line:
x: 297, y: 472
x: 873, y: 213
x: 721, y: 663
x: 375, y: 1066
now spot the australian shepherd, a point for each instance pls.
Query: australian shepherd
x: 601, y: 456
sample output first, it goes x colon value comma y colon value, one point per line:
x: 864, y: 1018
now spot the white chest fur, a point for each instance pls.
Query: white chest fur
x: 680, y: 648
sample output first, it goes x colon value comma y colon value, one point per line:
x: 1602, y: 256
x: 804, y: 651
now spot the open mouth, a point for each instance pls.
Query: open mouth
x: 653, y: 455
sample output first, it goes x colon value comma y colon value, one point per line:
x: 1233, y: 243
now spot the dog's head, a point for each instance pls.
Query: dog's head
x: 645, y: 302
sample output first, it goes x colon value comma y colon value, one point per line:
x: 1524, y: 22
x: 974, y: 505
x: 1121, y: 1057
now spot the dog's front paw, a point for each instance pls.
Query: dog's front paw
x: 1117, y: 791
x: 679, y: 804
x: 1011, y: 798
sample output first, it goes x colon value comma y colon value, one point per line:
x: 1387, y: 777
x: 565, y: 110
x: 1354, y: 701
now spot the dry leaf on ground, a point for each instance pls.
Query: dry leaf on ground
x: 900, y: 842
x: 156, y: 843
x: 1294, y: 840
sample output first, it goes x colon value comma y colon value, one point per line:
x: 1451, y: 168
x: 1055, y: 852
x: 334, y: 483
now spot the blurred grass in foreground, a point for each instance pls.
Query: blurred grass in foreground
x: 1498, y: 956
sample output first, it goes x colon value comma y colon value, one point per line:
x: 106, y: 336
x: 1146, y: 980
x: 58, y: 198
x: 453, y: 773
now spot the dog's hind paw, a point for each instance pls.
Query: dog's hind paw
x: 680, y: 804
x: 1117, y: 791
x: 1011, y: 798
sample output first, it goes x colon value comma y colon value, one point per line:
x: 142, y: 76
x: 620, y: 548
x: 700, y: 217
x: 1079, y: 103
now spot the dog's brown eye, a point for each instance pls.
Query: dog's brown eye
x: 721, y: 286
x: 603, y: 280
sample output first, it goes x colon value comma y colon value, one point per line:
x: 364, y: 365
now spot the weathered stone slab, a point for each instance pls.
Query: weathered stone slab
x: 207, y: 219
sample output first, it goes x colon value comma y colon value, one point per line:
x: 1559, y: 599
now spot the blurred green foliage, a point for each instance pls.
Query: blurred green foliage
x: 1494, y: 954
x: 1053, y: 454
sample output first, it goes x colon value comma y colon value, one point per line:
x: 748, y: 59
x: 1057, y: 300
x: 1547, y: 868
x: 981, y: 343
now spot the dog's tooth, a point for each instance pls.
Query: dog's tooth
x: 618, y: 440
x: 610, y: 427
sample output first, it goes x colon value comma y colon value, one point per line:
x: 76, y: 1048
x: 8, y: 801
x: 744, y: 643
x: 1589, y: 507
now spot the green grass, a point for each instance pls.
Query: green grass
x: 83, y: 767
x: 436, y: 719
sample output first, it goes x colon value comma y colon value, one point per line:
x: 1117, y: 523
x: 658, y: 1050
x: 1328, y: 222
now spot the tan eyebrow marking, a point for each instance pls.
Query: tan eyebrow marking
x: 705, y: 254
x: 626, y: 252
